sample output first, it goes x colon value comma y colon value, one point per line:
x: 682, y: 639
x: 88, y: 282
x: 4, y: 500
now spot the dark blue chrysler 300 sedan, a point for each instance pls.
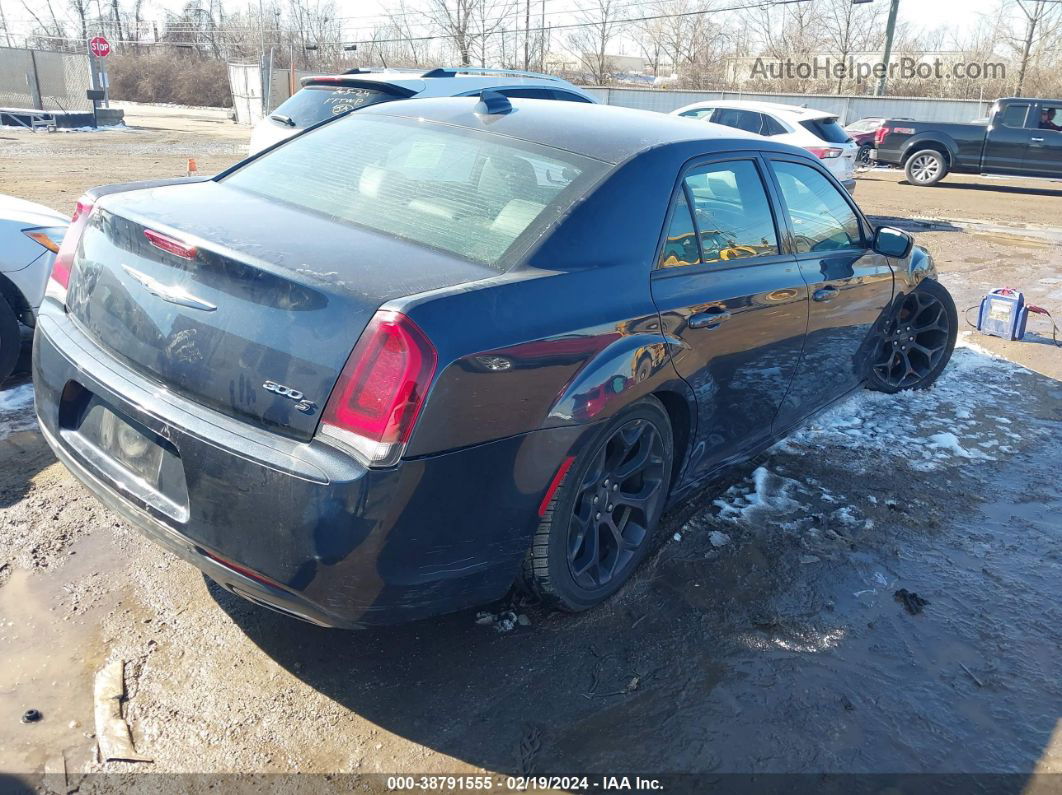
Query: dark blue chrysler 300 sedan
x: 420, y: 353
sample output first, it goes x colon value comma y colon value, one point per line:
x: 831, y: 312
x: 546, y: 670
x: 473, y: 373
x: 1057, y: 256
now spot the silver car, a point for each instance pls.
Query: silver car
x: 332, y: 95
x: 30, y: 235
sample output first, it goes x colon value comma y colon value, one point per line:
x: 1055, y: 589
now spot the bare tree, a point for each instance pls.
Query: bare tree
x: 1041, y: 24
x: 849, y: 29
x: 455, y: 18
x: 600, y: 26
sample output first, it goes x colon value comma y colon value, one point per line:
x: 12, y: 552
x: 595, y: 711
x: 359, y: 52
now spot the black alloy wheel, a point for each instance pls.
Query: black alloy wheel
x: 600, y: 523
x: 618, y: 496
x: 916, y: 344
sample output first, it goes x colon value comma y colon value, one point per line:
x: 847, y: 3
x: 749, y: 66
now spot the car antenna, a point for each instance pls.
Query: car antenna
x: 493, y: 103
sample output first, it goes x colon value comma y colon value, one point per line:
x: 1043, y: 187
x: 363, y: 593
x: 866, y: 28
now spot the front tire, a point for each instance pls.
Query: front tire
x: 926, y: 167
x: 916, y: 344
x: 599, y: 526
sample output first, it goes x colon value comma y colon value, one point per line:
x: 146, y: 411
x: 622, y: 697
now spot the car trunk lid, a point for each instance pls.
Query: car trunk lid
x: 248, y: 306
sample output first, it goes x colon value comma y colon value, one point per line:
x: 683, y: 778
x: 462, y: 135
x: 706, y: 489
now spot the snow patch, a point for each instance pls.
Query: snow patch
x: 954, y: 421
x: 767, y: 493
x: 16, y: 410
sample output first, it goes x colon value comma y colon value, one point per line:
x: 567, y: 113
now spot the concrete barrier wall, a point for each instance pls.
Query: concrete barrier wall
x: 847, y: 108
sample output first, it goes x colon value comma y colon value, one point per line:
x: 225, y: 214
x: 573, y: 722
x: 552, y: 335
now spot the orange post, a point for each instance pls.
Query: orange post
x: 192, y: 171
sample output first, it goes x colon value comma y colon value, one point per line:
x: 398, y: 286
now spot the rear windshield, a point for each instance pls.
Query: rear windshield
x: 466, y: 192
x: 317, y: 103
x: 827, y: 129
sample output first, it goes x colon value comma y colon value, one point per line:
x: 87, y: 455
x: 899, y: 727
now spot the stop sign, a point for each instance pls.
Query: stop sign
x: 100, y: 47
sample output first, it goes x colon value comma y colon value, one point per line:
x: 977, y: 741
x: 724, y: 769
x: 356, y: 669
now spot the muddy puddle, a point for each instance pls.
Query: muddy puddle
x: 53, y: 643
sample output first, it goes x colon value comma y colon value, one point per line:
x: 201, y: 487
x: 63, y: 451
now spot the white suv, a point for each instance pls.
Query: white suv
x: 814, y: 130
x: 332, y: 95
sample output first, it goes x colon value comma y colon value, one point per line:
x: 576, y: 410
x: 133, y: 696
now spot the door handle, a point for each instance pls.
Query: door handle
x: 1037, y: 140
x: 709, y: 319
x: 825, y: 294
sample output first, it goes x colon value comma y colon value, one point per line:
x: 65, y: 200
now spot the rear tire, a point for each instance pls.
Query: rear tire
x: 582, y: 552
x: 863, y: 160
x: 916, y: 345
x: 10, y: 340
x: 926, y: 167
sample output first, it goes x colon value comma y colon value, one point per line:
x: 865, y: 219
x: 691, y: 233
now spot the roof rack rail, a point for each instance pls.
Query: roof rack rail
x: 362, y: 70
x: 452, y: 71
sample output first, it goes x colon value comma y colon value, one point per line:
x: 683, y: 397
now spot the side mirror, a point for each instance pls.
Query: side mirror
x: 892, y: 242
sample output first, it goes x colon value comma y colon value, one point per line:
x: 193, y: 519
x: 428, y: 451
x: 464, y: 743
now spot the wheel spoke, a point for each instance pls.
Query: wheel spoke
x: 641, y: 499
x: 594, y: 472
x: 588, y: 563
x: 642, y: 453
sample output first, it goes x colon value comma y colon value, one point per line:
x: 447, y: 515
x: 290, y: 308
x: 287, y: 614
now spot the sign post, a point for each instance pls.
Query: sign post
x: 99, y: 49
x: 95, y: 95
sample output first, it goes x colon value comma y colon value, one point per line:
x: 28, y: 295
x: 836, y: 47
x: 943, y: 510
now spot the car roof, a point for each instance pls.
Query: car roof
x: 605, y: 132
x: 762, y: 107
x: 445, y: 82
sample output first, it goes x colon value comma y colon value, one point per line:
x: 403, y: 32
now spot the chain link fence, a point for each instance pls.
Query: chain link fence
x: 40, y: 80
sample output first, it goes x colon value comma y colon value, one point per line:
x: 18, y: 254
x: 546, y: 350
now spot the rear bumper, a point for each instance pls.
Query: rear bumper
x: 889, y: 157
x: 322, y: 537
x: 849, y: 185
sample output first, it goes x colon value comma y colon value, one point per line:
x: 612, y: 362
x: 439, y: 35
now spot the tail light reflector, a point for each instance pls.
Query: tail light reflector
x: 64, y: 260
x: 824, y: 152
x: 381, y: 390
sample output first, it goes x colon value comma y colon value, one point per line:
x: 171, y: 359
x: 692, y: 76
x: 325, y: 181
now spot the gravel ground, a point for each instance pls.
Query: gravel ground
x: 762, y: 636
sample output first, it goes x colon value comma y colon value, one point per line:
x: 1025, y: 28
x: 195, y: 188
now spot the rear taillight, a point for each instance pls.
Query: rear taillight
x: 824, y: 152
x: 881, y: 134
x: 64, y: 260
x: 381, y: 389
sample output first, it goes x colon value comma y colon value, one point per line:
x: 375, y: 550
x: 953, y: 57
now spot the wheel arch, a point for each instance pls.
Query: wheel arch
x: 681, y: 415
x: 917, y: 144
x: 16, y: 300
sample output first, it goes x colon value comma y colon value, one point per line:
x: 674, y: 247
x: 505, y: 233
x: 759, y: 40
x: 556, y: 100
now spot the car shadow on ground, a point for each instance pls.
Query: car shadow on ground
x: 23, y: 451
x: 951, y: 184
x: 914, y: 225
x: 778, y: 651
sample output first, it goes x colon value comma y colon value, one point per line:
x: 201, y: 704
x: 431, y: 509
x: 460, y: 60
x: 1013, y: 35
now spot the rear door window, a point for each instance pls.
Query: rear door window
x: 739, y: 119
x: 772, y: 126
x: 526, y: 92
x: 680, y: 245
x: 568, y: 96
x: 827, y: 130
x: 698, y: 113
x: 731, y: 217
x: 821, y: 218
x: 1014, y: 116
x: 317, y: 103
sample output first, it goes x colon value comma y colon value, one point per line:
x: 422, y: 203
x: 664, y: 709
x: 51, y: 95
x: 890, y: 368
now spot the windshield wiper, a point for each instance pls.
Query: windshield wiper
x: 283, y: 119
